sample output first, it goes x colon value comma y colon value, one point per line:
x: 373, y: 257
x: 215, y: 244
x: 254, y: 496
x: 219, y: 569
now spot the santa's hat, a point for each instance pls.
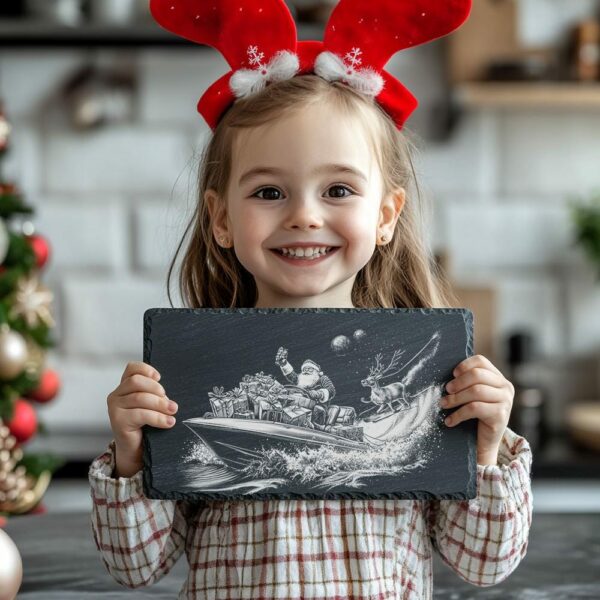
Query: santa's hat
x: 258, y: 39
x: 311, y: 363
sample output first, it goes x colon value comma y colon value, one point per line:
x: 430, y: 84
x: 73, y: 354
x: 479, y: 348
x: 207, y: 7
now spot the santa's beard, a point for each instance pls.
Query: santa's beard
x: 307, y: 380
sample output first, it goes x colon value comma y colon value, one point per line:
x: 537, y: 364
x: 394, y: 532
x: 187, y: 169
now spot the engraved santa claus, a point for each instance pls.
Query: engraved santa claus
x: 318, y: 390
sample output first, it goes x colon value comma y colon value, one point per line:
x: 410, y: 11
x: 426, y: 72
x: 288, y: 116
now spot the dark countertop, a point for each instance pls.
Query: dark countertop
x: 60, y: 562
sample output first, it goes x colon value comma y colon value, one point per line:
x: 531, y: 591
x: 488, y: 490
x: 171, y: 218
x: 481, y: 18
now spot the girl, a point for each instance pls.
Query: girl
x: 303, y: 203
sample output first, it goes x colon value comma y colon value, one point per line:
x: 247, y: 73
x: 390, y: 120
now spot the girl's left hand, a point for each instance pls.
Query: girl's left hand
x: 484, y: 394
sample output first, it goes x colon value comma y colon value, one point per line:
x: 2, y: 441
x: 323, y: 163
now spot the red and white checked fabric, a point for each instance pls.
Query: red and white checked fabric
x: 315, y: 549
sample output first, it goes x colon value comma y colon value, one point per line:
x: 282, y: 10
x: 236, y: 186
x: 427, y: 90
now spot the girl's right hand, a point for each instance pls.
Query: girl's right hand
x: 138, y: 400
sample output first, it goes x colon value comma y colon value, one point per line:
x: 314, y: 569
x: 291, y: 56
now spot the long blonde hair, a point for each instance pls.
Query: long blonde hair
x: 400, y: 274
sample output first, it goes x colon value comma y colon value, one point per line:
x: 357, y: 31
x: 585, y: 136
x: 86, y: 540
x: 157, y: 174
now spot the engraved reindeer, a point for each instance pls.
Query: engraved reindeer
x: 384, y: 396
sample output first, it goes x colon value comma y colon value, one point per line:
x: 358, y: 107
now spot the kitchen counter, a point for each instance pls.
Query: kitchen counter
x: 61, y: 562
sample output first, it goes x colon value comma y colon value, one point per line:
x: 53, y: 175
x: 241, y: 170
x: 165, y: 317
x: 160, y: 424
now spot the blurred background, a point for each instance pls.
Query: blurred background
x: 104, y: 144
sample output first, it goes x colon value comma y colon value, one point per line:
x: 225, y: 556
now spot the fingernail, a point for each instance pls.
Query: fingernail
x: 448, y: 420
x: 157, y: 375
x: 444, y: 402
x: 172, y: 406
x: 449, y: 387
x: 170, y: 420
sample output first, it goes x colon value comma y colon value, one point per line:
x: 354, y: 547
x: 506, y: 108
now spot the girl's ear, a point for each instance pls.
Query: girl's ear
x: 218, y: 215
x: 389, y: 211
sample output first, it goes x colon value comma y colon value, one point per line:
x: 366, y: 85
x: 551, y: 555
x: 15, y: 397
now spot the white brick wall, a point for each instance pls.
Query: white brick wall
x: 105, y: 314
x: 98, y: 233
x: 85, y: 387
x: 23, y: 162
x: 158, y: 228
x: 549, y: 153
x: 508, y: 234
x: 119, y: 159
x: 172, y: 82
x: 461, y: 166
x: 29, y: 78
x: 114, y: 203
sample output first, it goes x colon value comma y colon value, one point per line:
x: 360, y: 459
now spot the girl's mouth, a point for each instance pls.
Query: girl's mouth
x: 304, y: 261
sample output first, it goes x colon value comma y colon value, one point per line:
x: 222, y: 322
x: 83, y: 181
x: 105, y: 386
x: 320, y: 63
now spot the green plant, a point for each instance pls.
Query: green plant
x: 586, y: 218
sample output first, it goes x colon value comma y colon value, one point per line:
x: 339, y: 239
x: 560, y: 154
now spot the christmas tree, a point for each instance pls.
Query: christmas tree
x: 25, y: 326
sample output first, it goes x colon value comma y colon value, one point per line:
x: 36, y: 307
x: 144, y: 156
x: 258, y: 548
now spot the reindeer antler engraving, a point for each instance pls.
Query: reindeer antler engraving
x: 393, y: 362
x: 378, y: 371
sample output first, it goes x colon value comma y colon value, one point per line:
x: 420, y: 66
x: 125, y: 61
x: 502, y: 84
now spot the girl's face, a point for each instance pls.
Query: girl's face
x: 307, y: 180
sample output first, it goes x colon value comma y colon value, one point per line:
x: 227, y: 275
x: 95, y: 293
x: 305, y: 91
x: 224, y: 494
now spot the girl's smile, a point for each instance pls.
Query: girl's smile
x: 304, y: 261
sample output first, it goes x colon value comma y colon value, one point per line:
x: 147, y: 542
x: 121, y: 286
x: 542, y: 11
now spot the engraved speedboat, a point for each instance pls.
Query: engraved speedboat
x: 237, y: 442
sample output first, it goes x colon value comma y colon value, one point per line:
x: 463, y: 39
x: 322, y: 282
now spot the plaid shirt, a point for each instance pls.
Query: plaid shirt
x: 318, y: 549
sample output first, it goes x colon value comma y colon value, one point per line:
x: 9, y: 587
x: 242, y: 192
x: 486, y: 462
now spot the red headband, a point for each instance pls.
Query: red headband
x: 259, y: 41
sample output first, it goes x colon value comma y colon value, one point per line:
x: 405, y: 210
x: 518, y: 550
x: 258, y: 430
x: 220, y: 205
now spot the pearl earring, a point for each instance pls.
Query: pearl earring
x: 384, y: 238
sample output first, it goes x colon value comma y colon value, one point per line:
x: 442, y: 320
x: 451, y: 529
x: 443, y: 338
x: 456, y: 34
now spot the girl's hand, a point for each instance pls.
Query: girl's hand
x: 138, y: 400
x: 483, y: 393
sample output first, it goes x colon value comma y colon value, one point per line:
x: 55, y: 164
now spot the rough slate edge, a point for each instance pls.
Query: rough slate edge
x: 471, y: 425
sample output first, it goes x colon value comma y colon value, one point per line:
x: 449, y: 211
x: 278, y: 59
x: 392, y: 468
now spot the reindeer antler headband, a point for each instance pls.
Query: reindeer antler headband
x: 259, y: 41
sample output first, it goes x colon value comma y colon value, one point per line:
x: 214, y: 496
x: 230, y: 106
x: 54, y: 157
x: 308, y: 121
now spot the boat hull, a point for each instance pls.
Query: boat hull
x: 237, y: 442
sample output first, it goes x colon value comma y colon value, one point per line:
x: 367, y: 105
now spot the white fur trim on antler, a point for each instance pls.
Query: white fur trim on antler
x: 331, y: 67
x: 245, y: 82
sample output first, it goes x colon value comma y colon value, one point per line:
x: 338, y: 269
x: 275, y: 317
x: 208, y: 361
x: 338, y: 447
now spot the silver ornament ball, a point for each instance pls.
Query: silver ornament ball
x: 13, y: 353
x: 11, y: 568
x: 4, y: 241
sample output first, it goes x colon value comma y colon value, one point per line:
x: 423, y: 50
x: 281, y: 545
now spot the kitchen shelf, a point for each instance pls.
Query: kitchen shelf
x: 515, y: 95
x: 27, y: 33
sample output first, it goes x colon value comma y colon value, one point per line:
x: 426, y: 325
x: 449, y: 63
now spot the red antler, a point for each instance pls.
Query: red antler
x: 360, y: 38
x: 382, y: 28
x: 232, y: 27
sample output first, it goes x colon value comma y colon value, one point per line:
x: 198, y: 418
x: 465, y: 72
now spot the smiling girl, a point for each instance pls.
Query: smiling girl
x: 304, y: 202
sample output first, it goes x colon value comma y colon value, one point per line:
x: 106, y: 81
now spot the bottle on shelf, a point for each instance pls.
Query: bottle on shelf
x: 586, y: 50
x: 529, y: 413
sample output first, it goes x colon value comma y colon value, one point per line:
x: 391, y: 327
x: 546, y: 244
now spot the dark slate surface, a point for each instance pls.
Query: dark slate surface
x: 198, y: 349
x: 61, y: 562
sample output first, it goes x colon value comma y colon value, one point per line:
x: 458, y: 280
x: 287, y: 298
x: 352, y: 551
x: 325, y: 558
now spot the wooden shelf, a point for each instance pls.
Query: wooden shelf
x: 555, y: 95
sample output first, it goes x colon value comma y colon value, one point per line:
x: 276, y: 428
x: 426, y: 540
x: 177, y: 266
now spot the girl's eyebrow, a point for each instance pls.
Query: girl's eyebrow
x: 337, y: 168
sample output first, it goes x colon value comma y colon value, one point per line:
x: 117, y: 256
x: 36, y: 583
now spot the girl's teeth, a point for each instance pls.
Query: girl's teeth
x: 305, y: 253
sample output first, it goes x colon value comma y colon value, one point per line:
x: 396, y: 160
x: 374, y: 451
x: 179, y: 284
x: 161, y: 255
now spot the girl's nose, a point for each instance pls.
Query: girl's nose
x: 303, y: 213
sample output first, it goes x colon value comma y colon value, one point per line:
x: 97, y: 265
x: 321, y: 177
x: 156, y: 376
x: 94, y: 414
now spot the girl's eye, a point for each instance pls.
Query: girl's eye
x: 270, y: 190
x: 341, y: 187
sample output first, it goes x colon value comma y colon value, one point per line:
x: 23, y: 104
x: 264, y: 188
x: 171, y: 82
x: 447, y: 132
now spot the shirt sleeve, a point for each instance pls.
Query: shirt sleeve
x: 139, y: 539
x: 485, y: 538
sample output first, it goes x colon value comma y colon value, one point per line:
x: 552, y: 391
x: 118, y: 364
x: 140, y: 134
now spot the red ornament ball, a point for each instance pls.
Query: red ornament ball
x: 47, y: 387
x: 40, y: 247
x: 23, y: 424
x: 39, y: 509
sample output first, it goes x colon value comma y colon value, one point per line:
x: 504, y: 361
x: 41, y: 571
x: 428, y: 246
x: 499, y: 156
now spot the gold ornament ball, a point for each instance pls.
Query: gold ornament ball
x: 13, y: 353
x: 11, y: 568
